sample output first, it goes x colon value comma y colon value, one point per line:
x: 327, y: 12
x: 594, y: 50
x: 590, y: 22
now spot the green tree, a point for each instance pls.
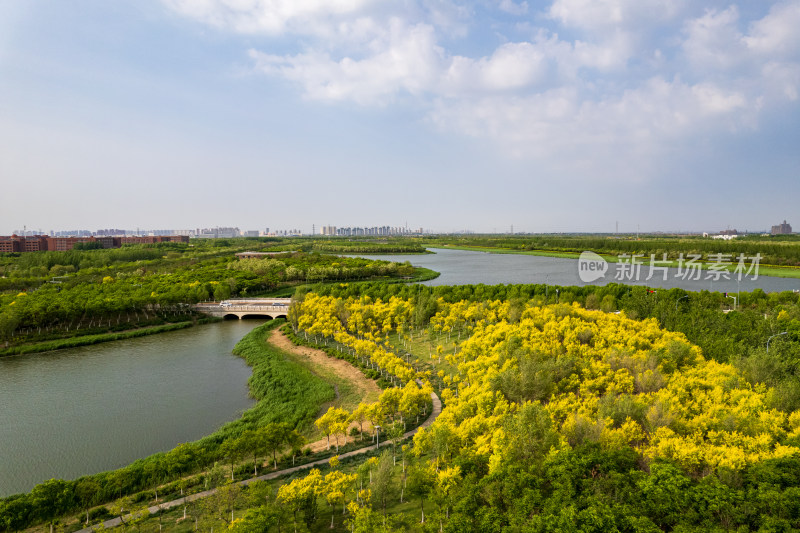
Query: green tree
x: 259, y: 519
x: 51, y: 499
x: 665, y: 494
x: 232, y: 450
x: 87, y: 491
x: 252, y: 442
x: 274, y: 436
x: 383, y: 484
x: 419, y: 484
x: 295, y: 441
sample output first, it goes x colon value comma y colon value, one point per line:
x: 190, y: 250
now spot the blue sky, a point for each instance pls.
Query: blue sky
x: 565, y: 115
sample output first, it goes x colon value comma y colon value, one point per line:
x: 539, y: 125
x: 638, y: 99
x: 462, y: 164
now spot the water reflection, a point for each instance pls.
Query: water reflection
x: 83, y: 410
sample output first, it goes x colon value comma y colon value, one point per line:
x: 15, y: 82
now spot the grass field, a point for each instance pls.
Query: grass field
x: 286, y: 390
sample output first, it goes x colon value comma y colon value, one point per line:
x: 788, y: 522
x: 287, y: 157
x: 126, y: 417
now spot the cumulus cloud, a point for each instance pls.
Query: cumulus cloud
x: 513, y: 8
x: 713, y: 40
x: 621, y: 137
x: 632, y: 79
x: 763, y: 59
x: 407, y: 61
x: 602, y: 14
x: 267, y: 16
x: 776, y: 34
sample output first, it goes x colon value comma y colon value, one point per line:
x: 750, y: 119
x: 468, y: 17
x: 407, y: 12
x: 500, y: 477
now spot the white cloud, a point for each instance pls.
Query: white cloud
x: 403, y: 58
x: 764, y: 60
x: 781, y: 80
x: 714, y: 100
x: 777, y: 33
x: 452, y: 17
x: 513, y: 8
x: 617, y: 96
x: 267, y: 16
x: 612, y: 54
x: 620, y: 136
x: 603, y: 14
x: 512, y: 66
x: 408, y: 61
x: 713, y: 40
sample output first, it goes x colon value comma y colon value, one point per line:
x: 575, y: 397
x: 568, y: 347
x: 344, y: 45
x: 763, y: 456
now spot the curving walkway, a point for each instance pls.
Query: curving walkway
x: 114, y: 522
x: 367, y: 388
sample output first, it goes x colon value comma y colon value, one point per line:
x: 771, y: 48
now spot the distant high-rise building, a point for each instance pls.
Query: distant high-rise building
x: 218, y: 233
x: 782, y: 229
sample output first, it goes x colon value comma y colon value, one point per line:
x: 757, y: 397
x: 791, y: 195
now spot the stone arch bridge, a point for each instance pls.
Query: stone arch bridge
x: 269, y: 307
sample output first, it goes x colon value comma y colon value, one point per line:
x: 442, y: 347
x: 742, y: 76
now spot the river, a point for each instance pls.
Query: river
x: 84, y: 410
x: 462, y: 267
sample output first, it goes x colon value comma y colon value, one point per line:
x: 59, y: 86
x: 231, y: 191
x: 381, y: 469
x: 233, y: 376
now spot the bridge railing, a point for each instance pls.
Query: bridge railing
x: 238, y: 308
x: 254, y: 308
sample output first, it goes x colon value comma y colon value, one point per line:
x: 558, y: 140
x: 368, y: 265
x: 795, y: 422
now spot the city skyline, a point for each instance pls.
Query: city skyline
x: 371, y: 230
x: 551, y: 116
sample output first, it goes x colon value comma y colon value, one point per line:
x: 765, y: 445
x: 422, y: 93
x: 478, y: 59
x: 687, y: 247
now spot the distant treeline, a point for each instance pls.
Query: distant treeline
x: 367, y: 247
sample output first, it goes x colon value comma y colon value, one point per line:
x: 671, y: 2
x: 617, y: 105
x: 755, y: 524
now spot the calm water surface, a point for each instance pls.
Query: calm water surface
x: 461, y: 267
x: 84, y: 410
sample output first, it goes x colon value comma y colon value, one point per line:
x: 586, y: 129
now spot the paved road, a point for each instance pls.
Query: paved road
x: 437, y: 408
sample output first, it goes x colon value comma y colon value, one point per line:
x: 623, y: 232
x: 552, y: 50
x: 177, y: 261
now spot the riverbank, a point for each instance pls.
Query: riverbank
x: 352, y: 387
x: 344, y: 458
x: 286, y: 389
x: 88, y: 340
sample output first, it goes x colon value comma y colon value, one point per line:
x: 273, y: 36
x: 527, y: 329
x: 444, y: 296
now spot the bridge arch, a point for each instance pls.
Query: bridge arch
x: 256, y: 315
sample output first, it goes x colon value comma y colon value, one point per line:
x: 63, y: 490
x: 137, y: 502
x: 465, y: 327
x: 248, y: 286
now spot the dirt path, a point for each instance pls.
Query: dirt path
x: 437, y: 408
x: 317, y: 358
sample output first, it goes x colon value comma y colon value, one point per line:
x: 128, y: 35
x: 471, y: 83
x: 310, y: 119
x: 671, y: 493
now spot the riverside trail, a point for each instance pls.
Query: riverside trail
x: 338, y: 366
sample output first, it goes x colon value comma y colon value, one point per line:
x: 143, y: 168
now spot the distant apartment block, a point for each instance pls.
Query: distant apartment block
x: 782, y: 229
x: 153, y: 239
x: 110, y: 233
x: 375, y: 230
x: 218, y: 233
x: 41, y: 243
